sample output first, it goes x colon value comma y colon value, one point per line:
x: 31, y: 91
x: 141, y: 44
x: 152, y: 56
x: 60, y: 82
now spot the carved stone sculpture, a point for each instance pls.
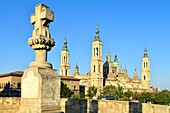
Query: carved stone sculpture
x: 41, y: 40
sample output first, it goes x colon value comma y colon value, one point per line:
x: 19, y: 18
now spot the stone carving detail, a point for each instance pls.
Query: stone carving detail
x: 41, y: 43
x: 41, y: 38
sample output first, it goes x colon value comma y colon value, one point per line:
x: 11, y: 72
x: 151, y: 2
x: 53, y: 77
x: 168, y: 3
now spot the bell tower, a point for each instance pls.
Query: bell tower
x: 146, y: 71
x: 65, y: 66
x: 97, y: 63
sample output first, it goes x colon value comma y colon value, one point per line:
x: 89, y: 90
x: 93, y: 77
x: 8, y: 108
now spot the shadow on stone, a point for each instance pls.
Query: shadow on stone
x: 76, y: 106
x: 135, y: 107
x: 10, y: 92
x: 93, y: 106
x: 81, y: 106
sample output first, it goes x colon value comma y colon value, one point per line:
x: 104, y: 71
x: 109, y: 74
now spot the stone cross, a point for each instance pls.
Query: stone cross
x: 41, y: 20
x: 41, y: 40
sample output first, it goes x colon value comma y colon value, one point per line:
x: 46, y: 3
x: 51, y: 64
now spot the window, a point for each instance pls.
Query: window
x: 66, y: 72
x: 64, y: 59
x: 99, y: 68
x: 97, y: 51
x: 144, y: 64
x: 74, y: 87
x: 19, y: 85
x: 94, y: 68
x: 94, y: 51
x: 144, y: 77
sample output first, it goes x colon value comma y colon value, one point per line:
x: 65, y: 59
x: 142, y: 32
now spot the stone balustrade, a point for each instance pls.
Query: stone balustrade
x: 12, y: 104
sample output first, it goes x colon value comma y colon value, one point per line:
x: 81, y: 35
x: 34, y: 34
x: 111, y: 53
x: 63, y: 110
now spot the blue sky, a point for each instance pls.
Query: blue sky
x: 126, y: 27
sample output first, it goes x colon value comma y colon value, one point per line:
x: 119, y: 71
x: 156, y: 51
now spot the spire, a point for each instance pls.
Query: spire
x: 65, y: 45
x: 76, y: 65
x: 125, y: 70
x: 120, y: 69
x: 97, y: 38
x: 108, y: 56
x: 145, y: 53
x: 115, y: 59
x: 76, y: 69
x: 135, y: 77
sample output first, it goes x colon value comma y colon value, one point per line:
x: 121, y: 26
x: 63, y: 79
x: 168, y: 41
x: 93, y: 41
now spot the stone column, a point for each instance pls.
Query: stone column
x: 40, y: 91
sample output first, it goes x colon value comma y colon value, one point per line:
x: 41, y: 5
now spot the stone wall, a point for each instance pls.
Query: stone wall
x: 153, y: 108
x: 12, y: 104
x: 9, y: 104
x: 106, y: 106
x: 93, y: 106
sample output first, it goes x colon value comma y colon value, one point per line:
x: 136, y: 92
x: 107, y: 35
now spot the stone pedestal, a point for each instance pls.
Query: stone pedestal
x: 40, y: 91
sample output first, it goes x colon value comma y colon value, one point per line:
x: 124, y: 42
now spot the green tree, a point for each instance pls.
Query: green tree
x: 145, y: 97
x: 78, y: 96
x: 65, y: 92
x: 109, y: 90
x: 128, y: 95
x: 91, y: 92
x: 119, y: 92
x: 163, y: 97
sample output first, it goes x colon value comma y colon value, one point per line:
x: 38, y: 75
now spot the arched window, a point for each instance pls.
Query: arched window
x: 97, y: 52
x: 66, y: 72
x: 144, y: 77
x: 144, y: 64
x: 94, y: 68
x: 99, y: 69
x: 64, y: 59
x: 94, y: 51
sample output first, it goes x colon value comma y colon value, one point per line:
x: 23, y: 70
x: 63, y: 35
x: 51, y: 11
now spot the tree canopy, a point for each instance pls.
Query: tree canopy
x: 65, y: 92
x: 91, y: 92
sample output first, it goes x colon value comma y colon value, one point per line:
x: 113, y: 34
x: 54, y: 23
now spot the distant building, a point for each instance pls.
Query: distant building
x: 10, y: 80
x: 10, y: 83
x: 107, y: 73
x: 72, y: 83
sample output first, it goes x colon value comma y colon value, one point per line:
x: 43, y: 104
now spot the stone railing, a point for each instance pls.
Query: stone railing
x: 9, y: 104
x: 93, y: 106
x: 12, y: 104
x: 106, y: 106
x: 153, y: 108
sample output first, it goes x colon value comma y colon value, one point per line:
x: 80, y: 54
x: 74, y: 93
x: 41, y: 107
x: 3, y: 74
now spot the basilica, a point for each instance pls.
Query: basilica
x: 109, y: 72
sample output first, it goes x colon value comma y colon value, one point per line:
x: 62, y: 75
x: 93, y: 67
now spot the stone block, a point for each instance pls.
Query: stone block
x: 40, y: 90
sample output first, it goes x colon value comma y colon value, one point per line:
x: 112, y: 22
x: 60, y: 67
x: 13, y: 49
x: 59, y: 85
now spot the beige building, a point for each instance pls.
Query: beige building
x: 10, y: 84
x: 111, y: 73
x: 10, y: 80
x: 71, y: 82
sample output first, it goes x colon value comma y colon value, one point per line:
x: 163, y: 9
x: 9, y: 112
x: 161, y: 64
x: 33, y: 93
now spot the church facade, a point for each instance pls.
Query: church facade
x: 107, y: 73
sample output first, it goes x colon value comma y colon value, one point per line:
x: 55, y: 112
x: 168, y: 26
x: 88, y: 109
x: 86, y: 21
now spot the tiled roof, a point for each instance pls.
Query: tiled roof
x: 16, y: 73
